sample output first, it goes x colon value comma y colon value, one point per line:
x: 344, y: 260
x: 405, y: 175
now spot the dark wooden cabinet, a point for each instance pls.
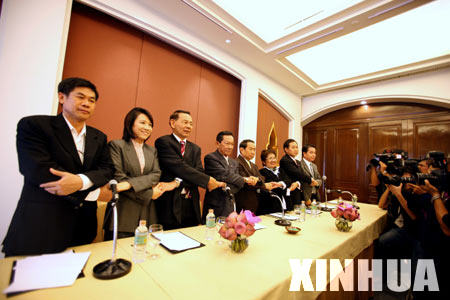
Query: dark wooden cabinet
x: 347, y: 139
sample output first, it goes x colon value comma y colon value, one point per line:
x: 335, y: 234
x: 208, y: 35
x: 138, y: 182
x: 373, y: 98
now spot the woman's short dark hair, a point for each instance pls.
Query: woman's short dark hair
x: 266, y: 153
x: 130, y: 118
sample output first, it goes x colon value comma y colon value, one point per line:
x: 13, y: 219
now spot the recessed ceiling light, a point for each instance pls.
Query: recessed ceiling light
x: 227, y: 41
x: 363, y: 102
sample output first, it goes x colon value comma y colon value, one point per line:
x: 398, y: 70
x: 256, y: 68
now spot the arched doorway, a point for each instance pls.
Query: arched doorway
x: 346, y: 139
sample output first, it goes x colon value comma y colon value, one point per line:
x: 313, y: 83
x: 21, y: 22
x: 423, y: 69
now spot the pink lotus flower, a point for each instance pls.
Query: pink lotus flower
x: 222, y: 231
x: 251, y: 218
x: 240, y: 227
x: 250, y: 230
x: 237, y: 225
x: 230, y: 234
x: 346, y: 211
x: 242, y: 218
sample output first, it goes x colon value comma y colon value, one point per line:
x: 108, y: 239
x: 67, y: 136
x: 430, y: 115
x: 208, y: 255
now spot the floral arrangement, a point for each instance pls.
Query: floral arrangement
x: 346, y: 211
x: 240, y: 225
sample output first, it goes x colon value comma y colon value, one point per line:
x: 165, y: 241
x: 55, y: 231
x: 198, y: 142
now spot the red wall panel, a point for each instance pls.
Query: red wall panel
x: 267, y: 115
x: 107, y: 52
x: 168, y: 80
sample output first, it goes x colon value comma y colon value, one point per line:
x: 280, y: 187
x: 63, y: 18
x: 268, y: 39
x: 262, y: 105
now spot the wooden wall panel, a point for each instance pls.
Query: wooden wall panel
x: 132, y: 69
x: 430, y: 135
x: 354, y: 134
x: 218, y: 107
x: 346, y: 168
x: 385, y: 135
x: 268, y: 115
x: 107, y: 52
x: 168, y: 80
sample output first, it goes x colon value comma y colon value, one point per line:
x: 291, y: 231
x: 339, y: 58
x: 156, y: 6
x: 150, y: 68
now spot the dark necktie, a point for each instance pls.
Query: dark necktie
x: 183, y: 147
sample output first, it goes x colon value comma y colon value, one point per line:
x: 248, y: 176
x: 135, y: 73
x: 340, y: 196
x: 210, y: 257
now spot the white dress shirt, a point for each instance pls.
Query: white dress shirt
x: 79, y: 140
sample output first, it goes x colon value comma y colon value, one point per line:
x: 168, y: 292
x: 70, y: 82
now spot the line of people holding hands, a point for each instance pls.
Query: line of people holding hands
x: 67, y: 166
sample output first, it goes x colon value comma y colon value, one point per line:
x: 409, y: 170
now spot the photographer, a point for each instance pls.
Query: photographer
x: 434, y: 233
x: 400, y: 239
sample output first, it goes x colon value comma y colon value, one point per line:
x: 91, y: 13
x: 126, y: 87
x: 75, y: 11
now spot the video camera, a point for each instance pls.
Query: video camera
x: 398, y: 164
x: 393, y: 159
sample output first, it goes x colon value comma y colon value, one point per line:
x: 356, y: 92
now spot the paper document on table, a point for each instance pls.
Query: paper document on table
x: 47, y: 271
x: 259, y: 226
x: 287, y: 217
x: 176, y: 241
x: 332, y: 206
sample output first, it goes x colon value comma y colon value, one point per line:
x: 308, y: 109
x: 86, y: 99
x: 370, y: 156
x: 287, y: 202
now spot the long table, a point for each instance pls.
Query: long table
x: 215, y: 272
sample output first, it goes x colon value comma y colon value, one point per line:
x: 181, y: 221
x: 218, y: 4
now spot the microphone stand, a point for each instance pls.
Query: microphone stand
x: 113, y: 268
x: 326, y: 208
x: 282, y: 221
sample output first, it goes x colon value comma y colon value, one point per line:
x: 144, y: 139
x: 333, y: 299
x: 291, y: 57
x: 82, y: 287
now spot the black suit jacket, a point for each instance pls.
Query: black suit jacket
x: 43, y: 222
x: 217, y: 167
x: 295, y: 172
x: 189, y: 168
x: 268, y: 204
x: 247, y: 197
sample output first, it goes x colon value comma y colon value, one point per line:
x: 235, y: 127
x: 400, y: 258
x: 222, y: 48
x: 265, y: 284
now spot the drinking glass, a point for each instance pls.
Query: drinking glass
x: 297, y: 209
x: 153, y: 242
x: 220, y: 221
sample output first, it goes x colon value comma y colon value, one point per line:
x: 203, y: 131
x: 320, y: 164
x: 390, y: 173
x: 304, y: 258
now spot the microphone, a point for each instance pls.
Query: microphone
x: 227, y: 191
x: 113, y: 186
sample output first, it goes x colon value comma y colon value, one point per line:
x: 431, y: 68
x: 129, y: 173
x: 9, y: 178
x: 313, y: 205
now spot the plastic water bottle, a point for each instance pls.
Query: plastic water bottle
x: 210, y: 225
x: 140, y: 242
x: 314, y: 208
x: 302, y: 212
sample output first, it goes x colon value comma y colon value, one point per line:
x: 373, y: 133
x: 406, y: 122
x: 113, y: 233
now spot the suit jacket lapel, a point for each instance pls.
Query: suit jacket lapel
x: 90, y: 147
x: 222, y: 159
x: 245, y: 164
x: 66, y: 139
x: 132, y: 157
x: 306, y: 168
x: 148, y: 158
x: 177, y: 146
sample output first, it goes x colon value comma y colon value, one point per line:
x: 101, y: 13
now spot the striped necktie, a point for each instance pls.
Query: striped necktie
x: 183, y: 147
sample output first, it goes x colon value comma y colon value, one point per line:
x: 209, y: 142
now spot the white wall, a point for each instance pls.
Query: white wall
x: 431, y: 87
x: 33, y: 37
x: 32, y: 44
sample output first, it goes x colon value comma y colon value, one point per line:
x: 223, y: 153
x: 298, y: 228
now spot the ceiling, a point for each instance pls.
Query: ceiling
x: 316, y: 46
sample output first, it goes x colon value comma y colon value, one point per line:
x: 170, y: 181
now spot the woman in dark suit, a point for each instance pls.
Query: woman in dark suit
x: 273, y: 173
x: 137, y: 171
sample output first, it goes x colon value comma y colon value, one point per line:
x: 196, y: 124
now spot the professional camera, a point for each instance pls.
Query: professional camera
x: 394, y: 160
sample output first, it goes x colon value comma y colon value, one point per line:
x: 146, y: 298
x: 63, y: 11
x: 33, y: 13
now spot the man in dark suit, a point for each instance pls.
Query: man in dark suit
x: 310, y: 191
x: 247, y: 197
x: 220, y: 165
x: 292, y: 168
x: 64, y: 164
x: 180, y: 159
